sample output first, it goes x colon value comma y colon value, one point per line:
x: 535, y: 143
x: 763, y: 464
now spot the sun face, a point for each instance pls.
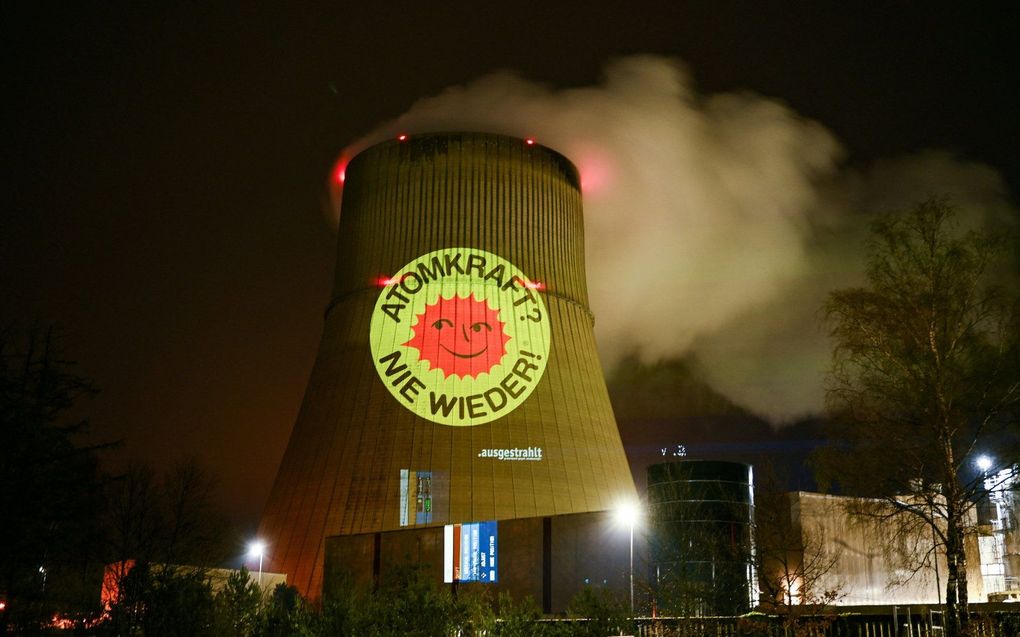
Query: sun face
x: 460, y: 335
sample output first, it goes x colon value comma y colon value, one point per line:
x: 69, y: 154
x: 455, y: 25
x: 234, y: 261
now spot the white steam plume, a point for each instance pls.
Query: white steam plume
x: 715, y: 225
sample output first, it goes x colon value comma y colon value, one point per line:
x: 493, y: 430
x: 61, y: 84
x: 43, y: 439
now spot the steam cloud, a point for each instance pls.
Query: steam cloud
x: 715, y: 224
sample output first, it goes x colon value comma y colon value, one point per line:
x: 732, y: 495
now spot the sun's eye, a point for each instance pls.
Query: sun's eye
x: 441, y: 323
x: 477, y: 327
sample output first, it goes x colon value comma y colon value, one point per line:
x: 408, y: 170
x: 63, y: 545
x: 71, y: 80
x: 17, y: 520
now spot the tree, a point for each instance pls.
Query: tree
x: 287, y: 614
x: 159, y: 601
x: 238, y: 605
x: 408, y: 602
x: 196, y: 532
x: 132, y: 516
x: 50, y: 492
x: 519, y: 618
x: 795, y: 568
x: 165, y: 527
x: 603, y: 613
x: 924, y: 377
x: 172, y: 519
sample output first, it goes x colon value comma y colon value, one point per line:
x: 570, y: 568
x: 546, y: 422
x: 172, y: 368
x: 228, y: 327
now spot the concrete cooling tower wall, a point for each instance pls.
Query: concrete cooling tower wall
x: 457, y: 378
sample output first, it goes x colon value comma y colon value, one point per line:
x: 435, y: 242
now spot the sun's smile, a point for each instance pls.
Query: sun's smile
x: 459, y: 355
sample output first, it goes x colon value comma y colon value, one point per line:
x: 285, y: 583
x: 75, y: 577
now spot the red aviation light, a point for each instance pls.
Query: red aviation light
x: 340, y: 170
x: 384, y: 281
x: 402, y: 138
x: 529, y: 141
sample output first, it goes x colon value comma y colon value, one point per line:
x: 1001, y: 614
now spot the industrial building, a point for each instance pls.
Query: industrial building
x: 999, y: 535
x: 700, y: 526
x: 845, y: 557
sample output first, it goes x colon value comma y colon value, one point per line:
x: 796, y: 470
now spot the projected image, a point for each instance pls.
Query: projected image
x: 470, y: 552
x: 415, y: 497
x: 460, y: 336
x: 420, y: 493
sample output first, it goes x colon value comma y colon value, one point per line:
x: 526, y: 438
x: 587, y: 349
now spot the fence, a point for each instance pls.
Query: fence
x: 902, y: 623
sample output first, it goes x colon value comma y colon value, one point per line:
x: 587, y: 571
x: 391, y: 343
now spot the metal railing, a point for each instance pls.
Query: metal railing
x: 900, y: 624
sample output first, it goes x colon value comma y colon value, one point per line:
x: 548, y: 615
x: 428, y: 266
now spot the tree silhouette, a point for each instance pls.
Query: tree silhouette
x: 50, y: 496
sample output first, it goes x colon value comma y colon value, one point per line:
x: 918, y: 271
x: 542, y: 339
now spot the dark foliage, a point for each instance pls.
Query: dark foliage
x: 172, y: 519
x: 163, y: 602
x: 50, y: 480
x: 604, y: 614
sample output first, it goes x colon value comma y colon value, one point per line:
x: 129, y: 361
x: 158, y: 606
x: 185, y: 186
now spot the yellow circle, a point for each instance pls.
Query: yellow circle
x: 460, y: 336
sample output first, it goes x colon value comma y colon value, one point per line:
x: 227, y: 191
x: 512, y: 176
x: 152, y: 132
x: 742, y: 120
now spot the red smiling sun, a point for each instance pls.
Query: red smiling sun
x: 460, y: 335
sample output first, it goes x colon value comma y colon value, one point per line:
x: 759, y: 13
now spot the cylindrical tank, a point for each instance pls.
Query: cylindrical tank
x: 457, y: 378
x: 700, y: 517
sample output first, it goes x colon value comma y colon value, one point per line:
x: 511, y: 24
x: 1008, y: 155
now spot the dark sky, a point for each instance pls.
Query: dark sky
x: 166, y: 165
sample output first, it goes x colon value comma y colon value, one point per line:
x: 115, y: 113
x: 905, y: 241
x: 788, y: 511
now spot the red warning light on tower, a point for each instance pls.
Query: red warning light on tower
x: 340, y: 170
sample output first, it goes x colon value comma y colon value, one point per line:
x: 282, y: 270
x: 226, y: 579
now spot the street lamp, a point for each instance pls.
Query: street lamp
x: 257, y: 549
x: 629, y: 513
x: 983, y: 462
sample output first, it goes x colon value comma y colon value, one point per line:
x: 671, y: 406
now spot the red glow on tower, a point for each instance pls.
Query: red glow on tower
x: 529, y: 141
x: 340, y: 170
x: 402, y: 138
x: 597, y: 171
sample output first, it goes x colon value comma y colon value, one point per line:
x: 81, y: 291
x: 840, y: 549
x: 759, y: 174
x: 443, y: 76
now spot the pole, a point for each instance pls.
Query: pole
x: 260, y: 568
x: 935, y: 555
x: 632, y: 568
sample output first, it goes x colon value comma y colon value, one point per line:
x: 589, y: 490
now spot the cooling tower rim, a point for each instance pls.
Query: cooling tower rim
x: 412, y: 139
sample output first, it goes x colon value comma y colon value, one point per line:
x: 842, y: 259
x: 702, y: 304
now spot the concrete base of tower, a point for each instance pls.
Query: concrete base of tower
x: 550, y: 559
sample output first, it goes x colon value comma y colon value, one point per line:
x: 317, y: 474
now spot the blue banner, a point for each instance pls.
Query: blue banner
x: 478, y: 561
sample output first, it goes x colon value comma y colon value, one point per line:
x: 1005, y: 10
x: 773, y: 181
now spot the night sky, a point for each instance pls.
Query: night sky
x: 167, y: 201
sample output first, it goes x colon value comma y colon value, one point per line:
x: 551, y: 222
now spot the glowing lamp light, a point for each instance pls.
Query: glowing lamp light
x: 983, y: 462
x: 529, y: 141
x: 3, y: 605
x: 256, y: 549
x: 535, y: 285
x: 402, y: 138
x: 384, y: 281
x: 628, y: 513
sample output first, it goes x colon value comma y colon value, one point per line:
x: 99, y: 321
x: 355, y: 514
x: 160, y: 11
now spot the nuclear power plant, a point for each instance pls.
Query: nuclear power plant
x: 457, y: 420
x: 457, y: 382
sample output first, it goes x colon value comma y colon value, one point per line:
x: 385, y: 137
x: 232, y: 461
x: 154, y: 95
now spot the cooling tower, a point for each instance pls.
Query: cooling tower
x: 457, y: 378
